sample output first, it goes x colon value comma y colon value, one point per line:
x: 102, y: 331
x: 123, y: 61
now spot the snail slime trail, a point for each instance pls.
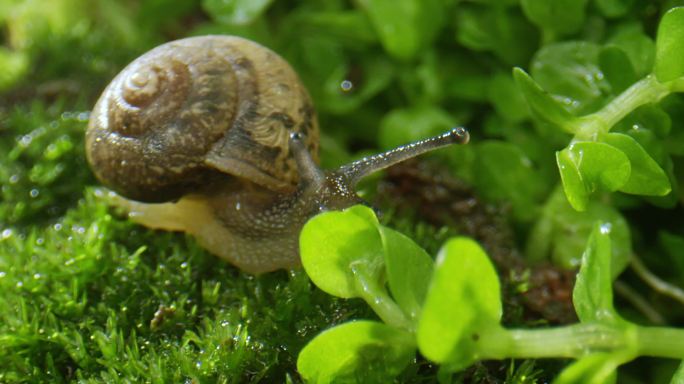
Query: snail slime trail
x: 216, y: 136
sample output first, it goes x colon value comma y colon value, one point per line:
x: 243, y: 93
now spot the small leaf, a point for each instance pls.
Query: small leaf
x: 332, y: 241
x: 593, y: 293
x: 597, y: 368
x: 409, y: 270
x: 678, y: 377
x: 507, y: 98
x: 236, y: 12
x: 561, y: 234
x: 670, y: 45
x: 463, y: 300
x: 504, y: 32
x: 367, y: 350
x: 614, y: 8
x: 570, y: 72
x: 617, y: 68
x: 559, y: 16
x: 586, y: 167
x: 405, y: 26
x: 646, y: 177
x: 541, y: 103
x: 505, y: 174
x: 637, y: 45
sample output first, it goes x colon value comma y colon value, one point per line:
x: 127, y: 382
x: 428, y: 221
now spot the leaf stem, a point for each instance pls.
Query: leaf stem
x: 645, y: 91
x: 661, y: 342
x: 577, y: 340
x: 659, y: 285
x: 570, y: 341
x: 378, y: 299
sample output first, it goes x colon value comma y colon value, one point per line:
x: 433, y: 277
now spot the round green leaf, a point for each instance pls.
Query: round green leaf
x: 598, y: 166
x: 236, y: 11
x: 678, y: 377
x: 614, y: 8
x: 409, y: 270
x: 573, y: 185
x: 463, y: 300
x: 670, y: 45
x: 596, y: 368
x: 646, y: 177
x: 570, y: 72
x: 541, y: 103
x: 637, y: 45
x: 593, y: 292
x: 505, y: 174
x: 561, y: 233
x: 359, y: 351
x: 404, y: 26
x: 558, y: 16
x: 502, y: 31
x: 617, y: 68
x: 332, y: 241
x: 507, y: 97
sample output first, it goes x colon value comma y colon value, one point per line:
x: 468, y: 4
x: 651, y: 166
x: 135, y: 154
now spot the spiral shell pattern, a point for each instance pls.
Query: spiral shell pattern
x: 195, y: 110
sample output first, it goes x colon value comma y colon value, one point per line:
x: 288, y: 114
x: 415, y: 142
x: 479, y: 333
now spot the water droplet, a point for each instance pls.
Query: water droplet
x: 346, y: 85
x: 14, y: 179
x: 57, y: 227
x: 3, y: 274
x: 37, y: 276
x: 184, y: 265
x: 605, y: 228
x: 25, y: 140
x: 34, y: 193
x: 6, y: 233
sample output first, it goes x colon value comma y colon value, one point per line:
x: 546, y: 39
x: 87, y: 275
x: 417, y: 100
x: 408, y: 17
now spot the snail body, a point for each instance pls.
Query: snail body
x: 217, y: 137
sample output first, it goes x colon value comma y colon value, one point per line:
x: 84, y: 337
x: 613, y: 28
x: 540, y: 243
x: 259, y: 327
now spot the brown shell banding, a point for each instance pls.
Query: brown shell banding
x: 187, y: 108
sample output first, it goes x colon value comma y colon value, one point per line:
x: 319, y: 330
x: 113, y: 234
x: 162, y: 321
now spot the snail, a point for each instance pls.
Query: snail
x: 216, y: 136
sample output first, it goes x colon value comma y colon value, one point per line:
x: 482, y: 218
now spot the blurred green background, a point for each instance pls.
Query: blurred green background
x: 81, y: 286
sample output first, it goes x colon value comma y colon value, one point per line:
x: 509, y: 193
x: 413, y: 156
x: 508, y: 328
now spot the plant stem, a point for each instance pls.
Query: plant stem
x: 645, y: 91
x: 577, y: 340
x: 377, y: 298
x: 570, y: 341
x: 661, y: 342
x: 659, y: 285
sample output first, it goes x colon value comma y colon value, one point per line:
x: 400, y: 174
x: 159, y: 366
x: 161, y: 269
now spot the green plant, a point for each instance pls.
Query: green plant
x: 598, y: 159
x: 451, y: 310
x: 88, y: 296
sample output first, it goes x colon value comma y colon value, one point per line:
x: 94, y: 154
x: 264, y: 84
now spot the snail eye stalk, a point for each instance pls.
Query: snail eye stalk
x: 359, y: 169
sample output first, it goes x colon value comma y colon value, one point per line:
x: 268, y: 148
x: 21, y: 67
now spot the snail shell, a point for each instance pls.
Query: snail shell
x: 186, y: 113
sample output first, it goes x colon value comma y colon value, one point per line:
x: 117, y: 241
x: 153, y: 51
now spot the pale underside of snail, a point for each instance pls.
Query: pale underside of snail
x: 216, y: 136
